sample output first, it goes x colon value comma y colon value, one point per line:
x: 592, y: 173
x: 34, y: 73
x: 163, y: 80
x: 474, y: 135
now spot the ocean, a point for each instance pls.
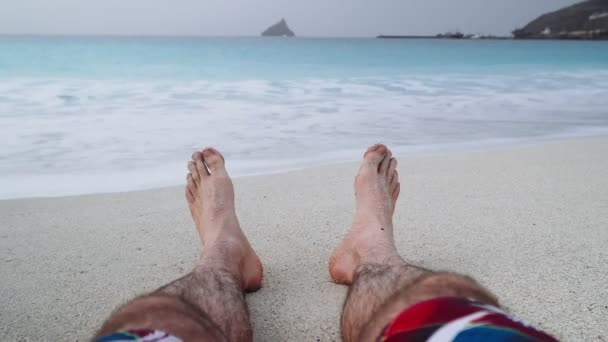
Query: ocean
x: 105, y: 114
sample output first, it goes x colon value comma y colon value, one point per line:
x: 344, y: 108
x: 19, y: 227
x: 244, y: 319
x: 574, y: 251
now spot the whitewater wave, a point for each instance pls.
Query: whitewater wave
x: 137, y: 134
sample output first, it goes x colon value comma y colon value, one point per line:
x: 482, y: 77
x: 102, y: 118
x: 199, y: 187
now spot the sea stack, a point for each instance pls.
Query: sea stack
x: 585, y: 20
x: 280, y: 29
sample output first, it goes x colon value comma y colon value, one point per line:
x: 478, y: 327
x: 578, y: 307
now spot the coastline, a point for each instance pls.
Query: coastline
x: 527, y: 221
x: 510, y: 38
x: 172, y: 175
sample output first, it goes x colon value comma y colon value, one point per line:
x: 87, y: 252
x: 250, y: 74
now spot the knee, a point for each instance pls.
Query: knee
x: 426, y: 287
x: 165, y: 313
x: 445, y: 284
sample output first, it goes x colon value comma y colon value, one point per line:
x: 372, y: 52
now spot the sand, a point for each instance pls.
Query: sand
x: 529, y: 222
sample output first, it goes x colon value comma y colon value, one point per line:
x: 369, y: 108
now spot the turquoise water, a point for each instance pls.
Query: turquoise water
x: 131, y: 110
x: 284, y: 59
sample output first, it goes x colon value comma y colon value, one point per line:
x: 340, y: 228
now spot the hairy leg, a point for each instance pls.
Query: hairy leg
x: 209, y: 303
x: 403, y: 295
x: 381, y: 283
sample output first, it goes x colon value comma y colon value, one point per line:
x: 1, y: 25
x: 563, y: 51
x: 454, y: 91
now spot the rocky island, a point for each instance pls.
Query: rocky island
x: 585, y: 20
x: 280, y: 29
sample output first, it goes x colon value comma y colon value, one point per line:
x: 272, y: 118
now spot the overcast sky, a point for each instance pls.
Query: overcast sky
x: 250, y: 17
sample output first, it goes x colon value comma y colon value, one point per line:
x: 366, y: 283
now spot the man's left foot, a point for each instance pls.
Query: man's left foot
x: 210, y: 195
x: 370, y: 239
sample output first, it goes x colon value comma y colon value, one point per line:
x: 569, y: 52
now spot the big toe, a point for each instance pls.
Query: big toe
x: 375, y: 155
x: 214, y: 160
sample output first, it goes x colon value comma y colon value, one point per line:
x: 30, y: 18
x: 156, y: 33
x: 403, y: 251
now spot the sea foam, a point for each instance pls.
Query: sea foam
x: 70, y: 136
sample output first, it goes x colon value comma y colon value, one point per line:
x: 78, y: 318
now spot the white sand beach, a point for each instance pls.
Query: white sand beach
x: 529, y: 222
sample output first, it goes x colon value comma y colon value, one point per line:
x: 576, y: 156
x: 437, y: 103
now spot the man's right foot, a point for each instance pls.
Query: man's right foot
x: 210, y: 195
x: 370, y: 239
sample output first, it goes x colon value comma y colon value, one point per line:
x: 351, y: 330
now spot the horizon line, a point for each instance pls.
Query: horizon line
x: 180, y: 35
x: 136, y: 35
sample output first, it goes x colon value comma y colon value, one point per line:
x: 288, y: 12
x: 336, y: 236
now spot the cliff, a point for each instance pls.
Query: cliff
x: 280, y: 29
x: 586, y: 20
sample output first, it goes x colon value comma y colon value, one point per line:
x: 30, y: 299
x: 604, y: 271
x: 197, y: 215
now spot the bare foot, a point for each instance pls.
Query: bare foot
x: 210, y: 195
x: 370, y: 239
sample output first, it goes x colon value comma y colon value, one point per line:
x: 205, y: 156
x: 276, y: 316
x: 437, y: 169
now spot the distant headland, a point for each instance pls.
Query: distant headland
x: 587, y: 20
x: 280, y: 29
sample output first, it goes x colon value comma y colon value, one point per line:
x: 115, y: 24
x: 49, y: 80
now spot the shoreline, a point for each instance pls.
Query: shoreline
x: 335, y: 158
x: 527, y: 222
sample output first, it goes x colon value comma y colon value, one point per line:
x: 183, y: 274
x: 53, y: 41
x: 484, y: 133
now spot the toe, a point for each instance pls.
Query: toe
x: 191, y: 184
x: 197, y: 157
x: 392, y: 168
x: 189, y: 195
x: 375, y: 154
x: 393, y: 182
x: 394, y: 178
x: 194, y: 171
x: 214, y: 160
x: 396, y: 193
x: 383, y: 168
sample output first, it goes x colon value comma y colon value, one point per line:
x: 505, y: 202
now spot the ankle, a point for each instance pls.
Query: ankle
x: 381, y: 255
x: 393, y: 265
x: 225, y: 246
x: 227, y: 271
x: 374, y: 244
x: 373, y: 223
